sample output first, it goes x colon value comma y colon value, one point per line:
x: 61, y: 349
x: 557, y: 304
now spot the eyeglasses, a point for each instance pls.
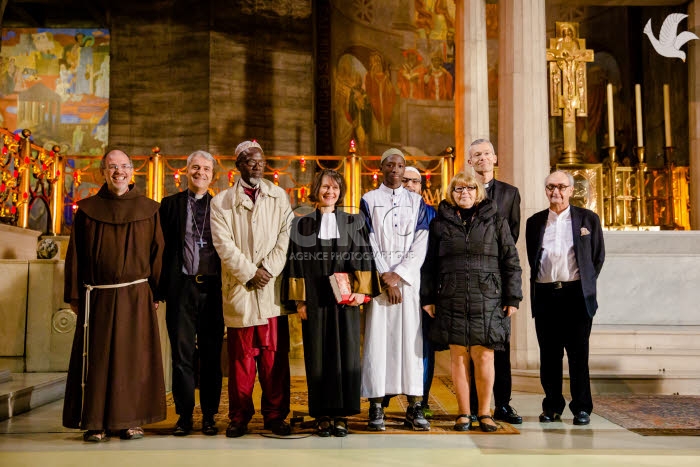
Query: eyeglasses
x: 124, y: 167
x: 461, y: 189
x: 411, y: 180
x: 551, y: 188
x: 253, y: 163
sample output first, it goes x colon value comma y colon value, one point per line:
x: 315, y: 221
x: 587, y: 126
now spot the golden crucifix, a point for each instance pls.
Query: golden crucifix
x: 567, y: 55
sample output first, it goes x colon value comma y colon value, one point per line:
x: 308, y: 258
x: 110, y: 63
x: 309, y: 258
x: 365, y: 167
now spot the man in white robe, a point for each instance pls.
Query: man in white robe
x: 393, y: 350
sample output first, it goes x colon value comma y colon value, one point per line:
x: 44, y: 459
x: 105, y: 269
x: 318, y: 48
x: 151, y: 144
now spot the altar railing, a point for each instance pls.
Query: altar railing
x: 39, y: 187
x: 60, y: 181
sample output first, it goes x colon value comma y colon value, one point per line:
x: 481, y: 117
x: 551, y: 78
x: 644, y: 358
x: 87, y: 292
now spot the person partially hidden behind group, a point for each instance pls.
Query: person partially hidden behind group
x: 250, y: 225
x: 482, y: 158
x: 471, y: 284
x: 325, y: 242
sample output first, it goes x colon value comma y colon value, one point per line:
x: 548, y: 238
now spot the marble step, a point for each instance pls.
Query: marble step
x: 30, y: 390
x: 648, y: 338
x: 608, y: 382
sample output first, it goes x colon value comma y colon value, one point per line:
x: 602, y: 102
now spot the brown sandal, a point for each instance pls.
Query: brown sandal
x: 131, y: 433
x: 95, y: 436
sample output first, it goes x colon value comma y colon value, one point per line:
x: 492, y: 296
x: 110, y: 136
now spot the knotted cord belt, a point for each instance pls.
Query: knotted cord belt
x: 88, y: 289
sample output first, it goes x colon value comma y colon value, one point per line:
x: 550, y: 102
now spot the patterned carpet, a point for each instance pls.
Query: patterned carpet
x: 652, y: 415
x: 442, y: 402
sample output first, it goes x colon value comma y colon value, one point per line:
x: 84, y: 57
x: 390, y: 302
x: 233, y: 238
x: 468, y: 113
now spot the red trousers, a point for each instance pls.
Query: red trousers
x: 266, y: 347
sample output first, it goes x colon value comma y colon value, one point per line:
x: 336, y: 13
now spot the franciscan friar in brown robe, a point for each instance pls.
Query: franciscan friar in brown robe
x: 115, y: 240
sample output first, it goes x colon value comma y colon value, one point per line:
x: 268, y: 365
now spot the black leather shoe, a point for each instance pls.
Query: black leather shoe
x: 183, y: 427
x: 209, y: 427
x: 466, y: 426
x: 486, y: 427
x: 278, y: 427
x: 549, y: 417
x: 582, y: 418
x: 506, y: 413
x: 236, y: 430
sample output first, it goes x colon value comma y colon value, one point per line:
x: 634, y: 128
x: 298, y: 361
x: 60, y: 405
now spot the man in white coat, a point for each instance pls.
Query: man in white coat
x: 393, y: 351
x: 250, y: 225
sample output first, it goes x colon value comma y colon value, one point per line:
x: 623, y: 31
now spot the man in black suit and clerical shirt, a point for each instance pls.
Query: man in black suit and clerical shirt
x: 566, y: 252
x: 191, y: 287
x: 482, y: 158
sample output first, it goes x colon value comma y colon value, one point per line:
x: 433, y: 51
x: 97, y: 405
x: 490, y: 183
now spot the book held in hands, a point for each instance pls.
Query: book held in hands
x: 342, y: 287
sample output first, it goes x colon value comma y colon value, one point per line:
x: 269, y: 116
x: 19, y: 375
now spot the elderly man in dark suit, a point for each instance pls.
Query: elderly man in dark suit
x: 566, y: 253
x: 482, y: 158
x: 191, y: 287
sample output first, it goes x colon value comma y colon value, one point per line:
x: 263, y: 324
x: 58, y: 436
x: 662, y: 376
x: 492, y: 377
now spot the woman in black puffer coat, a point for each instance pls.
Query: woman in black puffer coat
x: 471, y: 283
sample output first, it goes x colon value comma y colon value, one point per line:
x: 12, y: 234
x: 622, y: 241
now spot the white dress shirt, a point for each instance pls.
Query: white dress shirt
x: 558, y: 260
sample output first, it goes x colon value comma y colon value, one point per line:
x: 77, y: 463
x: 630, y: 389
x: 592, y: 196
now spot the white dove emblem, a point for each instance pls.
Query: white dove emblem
x: 670, y: 42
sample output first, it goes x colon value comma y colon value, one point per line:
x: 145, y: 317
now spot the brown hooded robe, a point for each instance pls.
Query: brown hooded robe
x: 115, y: 239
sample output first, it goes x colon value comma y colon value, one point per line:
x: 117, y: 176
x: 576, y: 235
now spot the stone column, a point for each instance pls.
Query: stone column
x: 694, y: 116
x: 471, y: 77
x: 523, y: 138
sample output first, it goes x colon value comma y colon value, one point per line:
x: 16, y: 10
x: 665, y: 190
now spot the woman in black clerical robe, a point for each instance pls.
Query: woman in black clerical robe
x: 325, y: 242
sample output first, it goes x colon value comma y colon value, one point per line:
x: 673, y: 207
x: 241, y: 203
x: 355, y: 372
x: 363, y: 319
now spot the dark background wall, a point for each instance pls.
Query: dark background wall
x: 198, y: 74
x: 188, y: 74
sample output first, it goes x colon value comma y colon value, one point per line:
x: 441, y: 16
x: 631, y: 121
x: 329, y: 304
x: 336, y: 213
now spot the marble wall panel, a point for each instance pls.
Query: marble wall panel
x: 650, y: 279
x: 13, y: 307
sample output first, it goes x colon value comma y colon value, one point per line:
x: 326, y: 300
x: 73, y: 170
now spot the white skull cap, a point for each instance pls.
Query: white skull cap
x: 392, y: 152
x: 246, y: 145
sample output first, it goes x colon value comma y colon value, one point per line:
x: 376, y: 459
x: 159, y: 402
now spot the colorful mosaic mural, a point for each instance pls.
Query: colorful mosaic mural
x: 56, y: 83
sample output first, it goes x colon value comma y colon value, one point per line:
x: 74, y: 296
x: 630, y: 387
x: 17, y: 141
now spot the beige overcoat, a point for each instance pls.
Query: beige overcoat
x: 248, y: 235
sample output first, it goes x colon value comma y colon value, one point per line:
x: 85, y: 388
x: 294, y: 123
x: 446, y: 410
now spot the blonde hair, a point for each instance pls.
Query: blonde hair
x: 464, y: 179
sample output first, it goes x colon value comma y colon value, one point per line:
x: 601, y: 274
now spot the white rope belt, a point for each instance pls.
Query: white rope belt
x: 88, y: 289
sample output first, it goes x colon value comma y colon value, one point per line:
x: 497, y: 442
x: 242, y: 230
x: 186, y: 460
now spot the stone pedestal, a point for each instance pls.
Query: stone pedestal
x: 17, y: 243
x: 523, y: 148
x: 13, y: 313
x: 50, y: 321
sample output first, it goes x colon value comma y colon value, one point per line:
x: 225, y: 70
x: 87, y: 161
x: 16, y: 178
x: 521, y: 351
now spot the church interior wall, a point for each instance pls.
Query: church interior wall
x: 210, y: 75
x: 658, y: 71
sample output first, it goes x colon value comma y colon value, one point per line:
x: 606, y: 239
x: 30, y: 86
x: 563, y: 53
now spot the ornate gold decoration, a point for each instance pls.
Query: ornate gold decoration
x: 567, y: 83
x: 588, y: 186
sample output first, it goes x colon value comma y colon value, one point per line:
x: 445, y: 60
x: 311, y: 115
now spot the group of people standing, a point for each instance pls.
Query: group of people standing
x: 241, y: 261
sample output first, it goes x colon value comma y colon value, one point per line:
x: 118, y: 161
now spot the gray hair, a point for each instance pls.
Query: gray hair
x: 568, y: 175
x: 203, y: 154
x: 480, y: 141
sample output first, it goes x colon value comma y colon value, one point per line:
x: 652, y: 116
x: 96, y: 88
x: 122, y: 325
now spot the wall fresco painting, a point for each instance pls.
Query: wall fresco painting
x: 56, y: 83
x: 377, y: 87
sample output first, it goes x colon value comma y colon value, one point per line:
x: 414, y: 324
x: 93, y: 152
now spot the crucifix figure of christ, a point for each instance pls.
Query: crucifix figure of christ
x: 567, y: 56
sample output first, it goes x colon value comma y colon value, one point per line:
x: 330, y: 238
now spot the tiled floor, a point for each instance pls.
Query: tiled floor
x: 37, y: 439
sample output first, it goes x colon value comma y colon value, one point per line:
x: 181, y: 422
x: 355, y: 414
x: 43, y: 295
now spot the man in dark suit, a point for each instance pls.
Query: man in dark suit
x: 566, y: 252
x: 482, y: 158
x: 191, y: 287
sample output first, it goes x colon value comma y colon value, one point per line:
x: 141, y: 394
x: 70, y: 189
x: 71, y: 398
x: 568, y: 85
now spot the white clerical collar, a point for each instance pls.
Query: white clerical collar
x: 391, y: 191
x: 329, y: 226
x: 196, y: 196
